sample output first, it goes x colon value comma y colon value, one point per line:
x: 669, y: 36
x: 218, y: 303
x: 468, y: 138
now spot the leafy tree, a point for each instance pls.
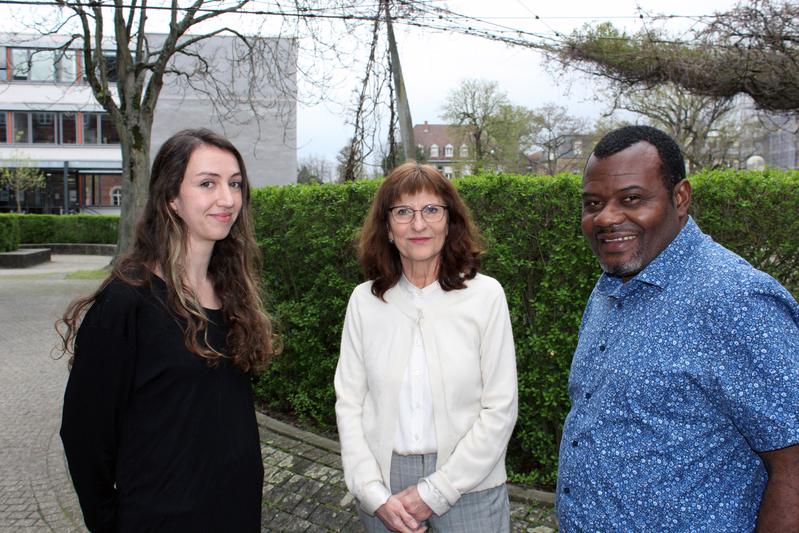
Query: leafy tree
x: 472, y: 106
x: 559, y: 135
x: 20, y: 178
x: 750, y: 49
x: 510, y: 131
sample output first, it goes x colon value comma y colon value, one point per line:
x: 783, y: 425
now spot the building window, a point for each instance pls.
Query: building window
x: 108, y: 132
x: 19, y: 64
x: 116, y: 196
x: 91, y: 128
x: 67, y: 66
x: 98, y: 128
x: 43, y: 127
x: 448, y: 171
x: 69, y: 128
x: 448, y: 150
x: 21, y: 128
x: 101, y: 190
x: 464, y: 151
x: 44, y: 65
x: 578, y: 148
x: 111, y: 66
x: 3, y: 127
x: 3, y: 64
x: 434, y: 150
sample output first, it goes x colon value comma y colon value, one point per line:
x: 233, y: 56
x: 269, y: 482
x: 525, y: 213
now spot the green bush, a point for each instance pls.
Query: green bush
x: 755, y: 214
x: 531, y: 226
x: 9, y: 232
x: 88, y: 229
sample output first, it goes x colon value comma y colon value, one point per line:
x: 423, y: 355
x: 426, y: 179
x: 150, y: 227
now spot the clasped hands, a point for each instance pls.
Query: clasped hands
x: 405, y: 511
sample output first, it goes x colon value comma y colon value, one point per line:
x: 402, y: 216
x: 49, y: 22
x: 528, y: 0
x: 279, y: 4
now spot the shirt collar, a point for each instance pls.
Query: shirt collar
x: 413, y: 290
x: 662, y: 268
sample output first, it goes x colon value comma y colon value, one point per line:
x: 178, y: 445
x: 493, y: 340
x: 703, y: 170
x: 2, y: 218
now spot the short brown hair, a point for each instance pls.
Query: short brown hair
x: 460, y: 256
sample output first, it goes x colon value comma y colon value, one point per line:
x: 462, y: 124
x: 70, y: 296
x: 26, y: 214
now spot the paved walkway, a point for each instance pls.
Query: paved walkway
x: 303, y: 488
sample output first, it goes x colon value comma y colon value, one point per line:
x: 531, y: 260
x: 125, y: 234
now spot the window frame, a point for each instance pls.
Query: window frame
x: 4, y: 127
x: 60, y: 63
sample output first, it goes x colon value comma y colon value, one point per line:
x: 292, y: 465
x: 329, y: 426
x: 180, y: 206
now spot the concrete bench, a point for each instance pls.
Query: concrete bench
x: 71, y: 248
x: 24, y: 258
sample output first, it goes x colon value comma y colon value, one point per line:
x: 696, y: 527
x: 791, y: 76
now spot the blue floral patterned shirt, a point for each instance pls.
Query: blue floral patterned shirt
x: 681, y: 375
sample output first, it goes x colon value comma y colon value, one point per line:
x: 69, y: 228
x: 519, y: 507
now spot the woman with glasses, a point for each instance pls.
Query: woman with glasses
x: 426, y: 379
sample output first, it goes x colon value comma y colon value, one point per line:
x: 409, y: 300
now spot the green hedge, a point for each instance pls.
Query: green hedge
x: 87, y: 229
x: 535, y: 249
x: 9, y: 232
x: 755, y: 214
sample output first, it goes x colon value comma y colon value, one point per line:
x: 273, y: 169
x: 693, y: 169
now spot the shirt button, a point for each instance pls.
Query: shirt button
x: 587, y: 395
x: 566, y: 490
x: 618, y: 305
x: 601, y: 347
x: 574, y: 444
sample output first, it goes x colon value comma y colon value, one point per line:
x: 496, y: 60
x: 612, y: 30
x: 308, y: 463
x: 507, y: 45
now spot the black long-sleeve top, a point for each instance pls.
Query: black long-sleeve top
x: 155, y: 438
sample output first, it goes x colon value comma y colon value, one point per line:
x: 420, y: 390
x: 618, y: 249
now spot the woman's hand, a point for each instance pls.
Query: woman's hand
x: 414, y: 504
x: 396, y: 518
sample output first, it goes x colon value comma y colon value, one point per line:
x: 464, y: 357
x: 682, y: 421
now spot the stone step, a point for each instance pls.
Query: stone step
x: 24, y: 257
x: 71, y: 248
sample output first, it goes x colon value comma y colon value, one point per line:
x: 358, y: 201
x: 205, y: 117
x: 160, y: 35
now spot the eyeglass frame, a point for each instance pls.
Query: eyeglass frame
x: 420, y: 211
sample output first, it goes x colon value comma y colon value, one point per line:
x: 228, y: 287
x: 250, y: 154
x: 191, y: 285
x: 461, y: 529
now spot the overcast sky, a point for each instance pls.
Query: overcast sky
x: 433, y: 64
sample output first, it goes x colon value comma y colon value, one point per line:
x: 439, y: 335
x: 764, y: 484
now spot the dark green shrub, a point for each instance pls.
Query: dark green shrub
x: 531, y: 226
x: 306, y: 234
x: 9, y: 232
x: 755, y: 214
x: 89, y: 229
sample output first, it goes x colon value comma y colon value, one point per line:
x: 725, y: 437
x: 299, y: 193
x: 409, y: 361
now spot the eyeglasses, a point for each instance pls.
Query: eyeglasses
x: 403, y: 214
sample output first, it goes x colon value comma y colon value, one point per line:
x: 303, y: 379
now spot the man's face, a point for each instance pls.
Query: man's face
x: 629, y: 217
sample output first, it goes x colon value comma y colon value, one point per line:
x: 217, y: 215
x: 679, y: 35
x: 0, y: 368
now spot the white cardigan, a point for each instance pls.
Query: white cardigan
x: 469, y: 345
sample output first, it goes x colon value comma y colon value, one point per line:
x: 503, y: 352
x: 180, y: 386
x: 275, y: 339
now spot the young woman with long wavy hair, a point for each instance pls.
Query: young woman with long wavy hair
x: 158, y: 426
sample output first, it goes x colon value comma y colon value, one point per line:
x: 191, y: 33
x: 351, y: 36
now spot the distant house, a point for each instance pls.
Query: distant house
x: 445, y: 147
x: 50, y: 120
x: 566, y: 153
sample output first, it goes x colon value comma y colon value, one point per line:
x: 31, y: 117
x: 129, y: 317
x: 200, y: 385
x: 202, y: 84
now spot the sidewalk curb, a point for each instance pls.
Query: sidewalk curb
x: 515, y: 493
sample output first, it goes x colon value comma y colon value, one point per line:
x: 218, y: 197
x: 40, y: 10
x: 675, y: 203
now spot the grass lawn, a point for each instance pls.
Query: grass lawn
x: 100, y: 273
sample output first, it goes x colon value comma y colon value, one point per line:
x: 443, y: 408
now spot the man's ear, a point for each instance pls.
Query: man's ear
x: 681, y: 198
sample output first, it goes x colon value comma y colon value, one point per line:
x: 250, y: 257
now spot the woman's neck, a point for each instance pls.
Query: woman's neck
x: 196, y: 274
x: 421, y: 273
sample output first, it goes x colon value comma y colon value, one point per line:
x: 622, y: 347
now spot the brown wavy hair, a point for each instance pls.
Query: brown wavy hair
x: 160, y: 245
x: 460, y: 256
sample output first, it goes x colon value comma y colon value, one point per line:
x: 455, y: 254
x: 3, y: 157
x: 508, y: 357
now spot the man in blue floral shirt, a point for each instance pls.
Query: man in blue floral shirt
x: 685, y: 381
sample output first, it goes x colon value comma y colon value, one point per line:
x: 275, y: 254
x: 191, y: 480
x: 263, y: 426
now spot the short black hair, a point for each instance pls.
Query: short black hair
x: 672, y: 163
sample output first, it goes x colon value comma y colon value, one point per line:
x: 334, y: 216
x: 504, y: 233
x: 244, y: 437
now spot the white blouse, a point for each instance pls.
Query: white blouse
x: 416, y: 430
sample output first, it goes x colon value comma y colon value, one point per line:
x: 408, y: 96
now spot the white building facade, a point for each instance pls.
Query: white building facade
x: 50, y: 120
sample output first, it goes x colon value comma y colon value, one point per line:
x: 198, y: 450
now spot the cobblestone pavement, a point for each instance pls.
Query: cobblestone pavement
x: 303, y: 488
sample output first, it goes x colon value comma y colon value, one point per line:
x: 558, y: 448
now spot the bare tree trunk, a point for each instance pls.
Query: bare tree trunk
x: 135, y: 146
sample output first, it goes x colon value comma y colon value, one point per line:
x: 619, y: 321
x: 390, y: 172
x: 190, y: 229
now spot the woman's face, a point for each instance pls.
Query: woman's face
x: 420, y: 240
x: 210, y: 196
